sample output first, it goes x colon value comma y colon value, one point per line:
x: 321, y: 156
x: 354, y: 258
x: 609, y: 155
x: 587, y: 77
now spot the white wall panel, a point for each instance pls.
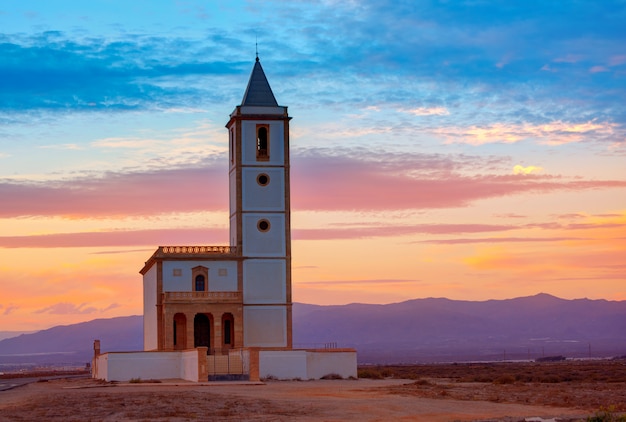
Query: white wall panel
x: 264, y: 281
x: 263, y: 198
x: 265, y: 326
x: 232, y: 182
x: 149, y: 309
x: 264, y: 244
x: 184, y: 282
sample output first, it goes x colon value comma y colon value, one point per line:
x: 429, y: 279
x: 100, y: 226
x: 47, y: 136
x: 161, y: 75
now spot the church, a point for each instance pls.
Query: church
x: 225, y: 312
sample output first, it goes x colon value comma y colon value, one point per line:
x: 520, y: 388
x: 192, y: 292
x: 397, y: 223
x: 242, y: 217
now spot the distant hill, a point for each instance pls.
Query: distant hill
x: 426, y: 330
x: 420, y: 330
x: 72, y: 344
x: 10, y: 334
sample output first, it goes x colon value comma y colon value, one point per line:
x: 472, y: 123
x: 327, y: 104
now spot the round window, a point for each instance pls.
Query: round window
x: 263, y: 225
x: 263, y: 179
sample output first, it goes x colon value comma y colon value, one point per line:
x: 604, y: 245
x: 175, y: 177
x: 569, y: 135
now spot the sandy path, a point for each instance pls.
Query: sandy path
x: 336, y: 400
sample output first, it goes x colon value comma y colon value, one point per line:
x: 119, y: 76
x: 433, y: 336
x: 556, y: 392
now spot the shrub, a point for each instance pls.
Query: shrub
x: 606, y: 414
x: 370, y: 373
x: 504, y: 379
x: 332, y: 377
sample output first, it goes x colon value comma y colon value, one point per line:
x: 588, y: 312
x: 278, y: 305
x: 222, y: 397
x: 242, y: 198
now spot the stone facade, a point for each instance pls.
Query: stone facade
x: 225, y: 297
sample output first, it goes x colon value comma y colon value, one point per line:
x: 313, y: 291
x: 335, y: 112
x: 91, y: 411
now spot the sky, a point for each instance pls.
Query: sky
x: 472, y: 150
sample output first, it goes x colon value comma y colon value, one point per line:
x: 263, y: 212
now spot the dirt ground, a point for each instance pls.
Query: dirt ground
x: 440, y: 393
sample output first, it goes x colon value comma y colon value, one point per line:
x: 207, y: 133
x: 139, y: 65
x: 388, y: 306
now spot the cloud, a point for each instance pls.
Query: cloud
x: 553, y: 133
x: 499, y: 240
x: 9, y: 309
x: 569, y: 58
x: 348, y: 180
x: 519, y: 169
x: 427, y: 111
x: 510, y: 215
x: 178, y: 236
x: 617, y: 60
x: 357, y: 282
x: 65, y: 308
x: 598, y: 69
x: 389, y: 230
x: 111, y: 306
x: 56, y: 71
x: 74, y: 147
x: 118, y: 194
x: 413, y: 181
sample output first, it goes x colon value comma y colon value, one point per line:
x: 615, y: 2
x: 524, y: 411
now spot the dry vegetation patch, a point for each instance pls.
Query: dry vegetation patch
x: 584, y: 385
x: 108, y: 402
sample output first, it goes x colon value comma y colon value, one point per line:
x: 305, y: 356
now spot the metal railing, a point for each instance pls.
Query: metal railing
x: 327, y: 345
x: 198, y: 249
x: 202, y: 296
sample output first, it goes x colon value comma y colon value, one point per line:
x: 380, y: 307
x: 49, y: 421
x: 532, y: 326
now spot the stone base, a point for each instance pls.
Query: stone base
x: 230, y: 377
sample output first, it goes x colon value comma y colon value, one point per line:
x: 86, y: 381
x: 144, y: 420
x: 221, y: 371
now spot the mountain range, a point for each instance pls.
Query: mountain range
x: 414, y: 331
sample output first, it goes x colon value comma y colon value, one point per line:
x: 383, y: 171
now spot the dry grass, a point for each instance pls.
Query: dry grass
x: 571, y: 384
x: 117, y: 404
x: 574, y: 390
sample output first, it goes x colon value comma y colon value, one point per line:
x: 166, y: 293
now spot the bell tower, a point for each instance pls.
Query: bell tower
x: 260, y: 212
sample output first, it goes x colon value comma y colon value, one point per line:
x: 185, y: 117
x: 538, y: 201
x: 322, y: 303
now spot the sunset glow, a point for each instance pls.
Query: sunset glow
x: 486, y: 161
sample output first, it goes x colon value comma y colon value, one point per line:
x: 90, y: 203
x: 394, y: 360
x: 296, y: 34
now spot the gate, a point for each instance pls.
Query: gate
x: 228, y: 365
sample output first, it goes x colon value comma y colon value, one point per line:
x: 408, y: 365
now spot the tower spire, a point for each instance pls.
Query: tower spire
x: 256, y: 44
x: 258, y: 92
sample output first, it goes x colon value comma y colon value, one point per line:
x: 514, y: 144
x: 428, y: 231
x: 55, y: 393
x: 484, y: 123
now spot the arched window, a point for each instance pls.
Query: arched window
x: 200, y: 279
x: 232, y: 145
x: 262, y: 142
x: 200, y: 283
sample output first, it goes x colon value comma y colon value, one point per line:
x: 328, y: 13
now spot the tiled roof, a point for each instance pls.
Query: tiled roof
x: 258, y: 92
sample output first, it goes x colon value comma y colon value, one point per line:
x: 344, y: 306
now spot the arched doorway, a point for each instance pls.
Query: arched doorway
x: 180, y: 331
x: 202, y: 331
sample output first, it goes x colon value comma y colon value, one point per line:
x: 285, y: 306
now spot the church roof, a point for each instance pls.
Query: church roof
x: 258, y: 92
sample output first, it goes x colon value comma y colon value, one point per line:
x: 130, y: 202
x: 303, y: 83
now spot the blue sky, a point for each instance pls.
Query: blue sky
x: 415, y: 123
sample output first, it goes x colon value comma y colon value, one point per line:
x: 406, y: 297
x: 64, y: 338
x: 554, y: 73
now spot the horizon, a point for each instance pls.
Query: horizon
x: 461, y: 151
x: 17, y: 333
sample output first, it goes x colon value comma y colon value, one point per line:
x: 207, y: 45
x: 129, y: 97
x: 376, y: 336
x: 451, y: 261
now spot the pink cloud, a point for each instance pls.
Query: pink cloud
x: 617, y: 60
x: 598, y: 69
x: 500, y: 240
x: 119, y: 238
x: 357, y: 282
x: 357, y: 180
x: 343, y: 183
x: 200, y: 236
x: 65, y: 308
x: 360, y: 232
x: 9, y: 309
x: 118, y: 194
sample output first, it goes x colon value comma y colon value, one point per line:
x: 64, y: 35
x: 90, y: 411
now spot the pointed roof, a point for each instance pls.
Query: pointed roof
x: 258, y: 92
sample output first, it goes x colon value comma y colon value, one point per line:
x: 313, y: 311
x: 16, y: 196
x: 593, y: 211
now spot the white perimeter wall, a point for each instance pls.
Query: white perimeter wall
x: 307, y: 364
x: 124, y: 366
x: 149, y: 310
x: 281, y: 364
